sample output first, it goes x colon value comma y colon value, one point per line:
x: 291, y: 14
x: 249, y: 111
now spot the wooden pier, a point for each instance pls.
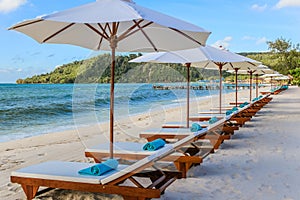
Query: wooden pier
x: 202, y: 87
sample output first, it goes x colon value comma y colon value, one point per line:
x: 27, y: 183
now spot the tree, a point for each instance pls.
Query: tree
x: 288, y: 53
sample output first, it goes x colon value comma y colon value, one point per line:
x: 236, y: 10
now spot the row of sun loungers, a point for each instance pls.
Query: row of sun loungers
x: 183, y: 149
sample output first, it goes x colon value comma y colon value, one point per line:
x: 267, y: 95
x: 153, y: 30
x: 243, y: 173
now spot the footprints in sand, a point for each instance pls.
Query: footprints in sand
x: 8, y: 162
x: 41, y: 154
x: 8, y: 190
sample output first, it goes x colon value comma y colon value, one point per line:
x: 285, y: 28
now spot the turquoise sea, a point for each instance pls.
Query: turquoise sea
x: 27, y: 110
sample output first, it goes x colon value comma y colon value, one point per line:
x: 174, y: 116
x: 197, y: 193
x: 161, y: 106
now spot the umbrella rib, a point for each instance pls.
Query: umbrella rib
x: 187, y: 36
x: 128, y: 33
x: 103, y: 32
x: 29, y: 23
x: 149, y: 23
x: 117, y: 27
x: 56, y: 33
x: 251, y: 63
x: 147, y: 37
x: 97, y: 31
x: 110, y: 31
x: 103, y: 29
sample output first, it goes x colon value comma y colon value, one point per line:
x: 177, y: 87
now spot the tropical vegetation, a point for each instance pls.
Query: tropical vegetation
x: 284, y: 57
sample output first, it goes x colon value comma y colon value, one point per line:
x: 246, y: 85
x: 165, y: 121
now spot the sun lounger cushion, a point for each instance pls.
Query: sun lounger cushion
x: 195, y: 127
x: 154, y: 145
x: 213, y: 120
x: 100, y: 168
x: 244, y: 104
x: 228, y: 112
x: 234, y: 109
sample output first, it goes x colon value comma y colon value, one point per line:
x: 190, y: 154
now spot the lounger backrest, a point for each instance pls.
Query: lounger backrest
x: 140, y: 165
x: 189, y: 138
x: 158, y: 155
x: 217, y: 123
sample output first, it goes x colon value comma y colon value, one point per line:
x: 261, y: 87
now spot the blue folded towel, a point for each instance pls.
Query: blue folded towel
x: 228, y: 112
x: 154, y: 145
x: 212, y: 120
x: 100, y: 168
x: 234, y: 109
x: 195, y: 127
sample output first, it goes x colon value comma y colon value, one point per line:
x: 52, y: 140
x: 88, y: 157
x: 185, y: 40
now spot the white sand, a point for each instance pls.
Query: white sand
x: 260, y: 162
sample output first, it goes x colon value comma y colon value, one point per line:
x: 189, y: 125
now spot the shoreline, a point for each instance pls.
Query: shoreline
x: 83, y: 122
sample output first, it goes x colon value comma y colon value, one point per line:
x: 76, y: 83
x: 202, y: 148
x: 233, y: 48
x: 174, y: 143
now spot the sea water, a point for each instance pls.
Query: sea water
x: 33, y: 109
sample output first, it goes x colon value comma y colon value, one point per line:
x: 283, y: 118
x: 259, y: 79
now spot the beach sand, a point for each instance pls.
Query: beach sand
x: 260, y: 162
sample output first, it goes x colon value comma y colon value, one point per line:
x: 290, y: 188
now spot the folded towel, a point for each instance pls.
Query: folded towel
x: 212, y: 120
x: 234, y: 109
x: 154, y: 145
x: 195, y: 127
x: 100, y: 168
x: 228, y: 112
x: 242, y: 105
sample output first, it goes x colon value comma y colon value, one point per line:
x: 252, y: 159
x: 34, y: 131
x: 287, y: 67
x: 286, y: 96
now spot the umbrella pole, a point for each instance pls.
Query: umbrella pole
x: 256, y: 85
x: 220, y: 86
x: 236, y: 85
x: 113, y: 45
x: 188, y: 65
x: 271, y: 82
x: 250, y: 85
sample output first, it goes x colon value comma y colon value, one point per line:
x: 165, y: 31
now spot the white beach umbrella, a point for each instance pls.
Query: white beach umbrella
x: 282, y: 78
x: 116, y: 25
x: 202, y: 57
x: 271, y: 76
x: 259, y: 70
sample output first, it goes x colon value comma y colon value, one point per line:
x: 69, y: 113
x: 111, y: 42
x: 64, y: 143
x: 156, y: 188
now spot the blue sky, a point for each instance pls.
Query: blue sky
x: 240, y: 26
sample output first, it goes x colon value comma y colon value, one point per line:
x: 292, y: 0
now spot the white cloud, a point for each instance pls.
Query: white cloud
x: 287, y: 3
x: 259, y: 40
x: 10, y: 70
x: 258, y: 7
x: 224, y: 43
x: 7, y: 6
x: 248, y: 38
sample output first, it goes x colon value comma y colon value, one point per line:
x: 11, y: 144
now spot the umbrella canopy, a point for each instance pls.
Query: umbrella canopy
x: 282, y: 78
x: 271, y: 76
x: 259, y: 70
x: 203, y: 57
x: 97, y: 24
x: 116, y: 25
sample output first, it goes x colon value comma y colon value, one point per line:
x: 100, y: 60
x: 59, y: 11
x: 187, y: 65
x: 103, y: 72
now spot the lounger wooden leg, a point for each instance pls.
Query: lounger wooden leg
x: 30, y: 191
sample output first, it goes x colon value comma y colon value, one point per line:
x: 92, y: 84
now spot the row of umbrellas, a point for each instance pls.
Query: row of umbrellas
x: 123, y: 26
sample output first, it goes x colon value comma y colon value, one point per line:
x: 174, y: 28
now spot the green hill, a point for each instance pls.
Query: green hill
x: 97, y: 70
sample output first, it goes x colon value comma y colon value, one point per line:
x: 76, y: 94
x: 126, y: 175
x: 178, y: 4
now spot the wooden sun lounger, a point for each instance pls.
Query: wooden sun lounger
x: 179, y: 133
x: 64, y: 175
x: 183, y: 158
x: 222, y: 108
x: 177, y: 125
x: 211, y: 112
x: 234, y: 103
x: 203, y: 117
